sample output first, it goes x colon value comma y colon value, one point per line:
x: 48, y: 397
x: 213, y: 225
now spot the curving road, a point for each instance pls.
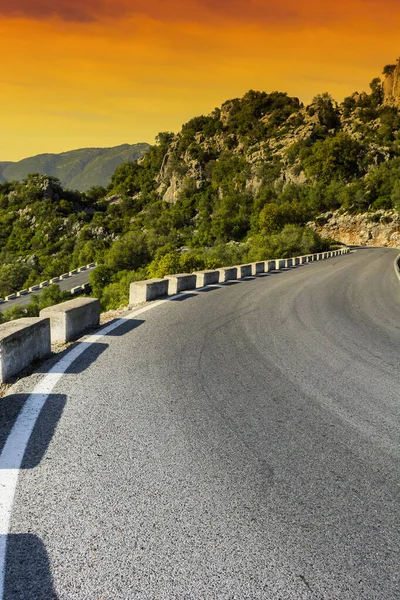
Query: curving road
x: 241, y: 442
x: 65, y: 285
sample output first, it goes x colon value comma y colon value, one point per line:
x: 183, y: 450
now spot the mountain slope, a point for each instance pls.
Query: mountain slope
x: 77, y: 169
x: 239, y: 185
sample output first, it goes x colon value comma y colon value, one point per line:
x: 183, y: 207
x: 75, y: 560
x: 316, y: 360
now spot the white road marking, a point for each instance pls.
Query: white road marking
x: 14, y: 449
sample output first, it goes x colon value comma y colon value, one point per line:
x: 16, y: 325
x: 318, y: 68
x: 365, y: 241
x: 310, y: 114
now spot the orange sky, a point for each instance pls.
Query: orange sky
x: 79, y: 73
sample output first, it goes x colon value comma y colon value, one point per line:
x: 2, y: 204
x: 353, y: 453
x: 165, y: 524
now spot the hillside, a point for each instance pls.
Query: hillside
x: 257, y: 178
x: 78, y: 169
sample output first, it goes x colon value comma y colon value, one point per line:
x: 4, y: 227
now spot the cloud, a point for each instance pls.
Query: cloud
x: 67, y: 10
x: 261, y: 12
x: 193, y: 10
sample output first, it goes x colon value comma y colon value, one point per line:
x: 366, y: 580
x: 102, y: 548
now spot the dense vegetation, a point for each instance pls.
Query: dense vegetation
x: 237, y: 185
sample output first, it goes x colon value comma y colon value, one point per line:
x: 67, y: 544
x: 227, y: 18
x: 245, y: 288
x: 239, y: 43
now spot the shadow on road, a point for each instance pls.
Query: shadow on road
x: 126, y: 326
x: 11, y: 406
x: 28, y: 575
x: 182, y: 297
x: 205, y: 290
x: 90, y: 353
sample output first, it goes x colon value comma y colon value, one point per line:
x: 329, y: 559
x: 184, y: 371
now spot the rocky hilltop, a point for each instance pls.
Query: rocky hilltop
x: 238, y: 185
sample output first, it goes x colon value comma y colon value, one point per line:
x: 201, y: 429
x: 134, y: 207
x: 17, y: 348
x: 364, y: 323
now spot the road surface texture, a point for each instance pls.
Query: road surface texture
x: 239, y: 443
x: 65, y: 285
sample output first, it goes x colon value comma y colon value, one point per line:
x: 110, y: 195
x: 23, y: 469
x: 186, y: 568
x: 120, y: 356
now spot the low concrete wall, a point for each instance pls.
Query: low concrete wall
x: 180, y: 282
x: 257, y: 268
x: 227, y: 274
x: 243, y: 271
x: 22, y: 293
x: 10, y: 297
x: 70, y: 319
x: 296, y: 261
x: 54, y: 280
x: 22, y: 342
x: 204, y: 278
x: 270, y: 265
x: 289, y: 262
x: 145, y: 291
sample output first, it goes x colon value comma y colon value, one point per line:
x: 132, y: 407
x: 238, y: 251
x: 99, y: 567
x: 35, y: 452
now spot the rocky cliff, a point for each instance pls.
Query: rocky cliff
x: 391, y: 86
x: 381, y: 228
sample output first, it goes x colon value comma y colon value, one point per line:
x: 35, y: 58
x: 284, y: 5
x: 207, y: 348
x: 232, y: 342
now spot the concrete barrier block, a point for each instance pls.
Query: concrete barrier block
x: 180, y: 282
x: 33, y: 288
x: 280, y: 263
x: 91, y: 266
x: 227, y: 274
x: 303, y: 260
x: 64, y: 276
x: 10, y: 297
x: 244, y: 271
x: 82, y: 269
x: 69, y: 320
x: 75, y: 291
x: 22, y: 293
x: 54, y: 280
x: 270, y: 265
x: 296, y: 261
x: 2, y: 300
x: 145, y: 291
x: 257, y: 268
x: 43, y: 284
x: 289, y: 262
x: 204, y: 278
x: 74, y: 272
x: 22, y: 342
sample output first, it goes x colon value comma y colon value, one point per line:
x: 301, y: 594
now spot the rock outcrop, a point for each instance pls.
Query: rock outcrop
x: 381, y: 228
x: 391, y: 87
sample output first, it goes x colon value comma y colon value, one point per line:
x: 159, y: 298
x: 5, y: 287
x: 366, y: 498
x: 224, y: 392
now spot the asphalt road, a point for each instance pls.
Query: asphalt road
x: 239, y: 443
x: 65, y: 285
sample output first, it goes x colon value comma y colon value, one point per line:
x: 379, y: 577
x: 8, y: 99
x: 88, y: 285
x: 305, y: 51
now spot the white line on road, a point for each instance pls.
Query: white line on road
x: 14, y: 449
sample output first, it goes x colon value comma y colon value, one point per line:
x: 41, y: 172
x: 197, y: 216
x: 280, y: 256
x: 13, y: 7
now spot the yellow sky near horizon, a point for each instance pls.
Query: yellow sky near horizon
x: 72, y: 80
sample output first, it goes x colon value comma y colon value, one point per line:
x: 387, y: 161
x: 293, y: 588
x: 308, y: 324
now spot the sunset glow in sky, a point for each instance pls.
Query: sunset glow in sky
x: 79, y: 73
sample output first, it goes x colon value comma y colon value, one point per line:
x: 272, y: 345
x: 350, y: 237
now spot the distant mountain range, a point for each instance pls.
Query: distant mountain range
x: 77, y: 169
